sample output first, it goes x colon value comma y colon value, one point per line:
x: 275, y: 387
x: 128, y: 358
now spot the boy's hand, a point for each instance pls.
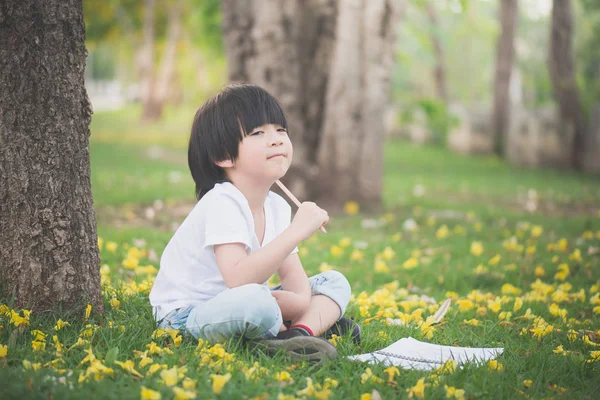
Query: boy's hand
x: 308, y: 219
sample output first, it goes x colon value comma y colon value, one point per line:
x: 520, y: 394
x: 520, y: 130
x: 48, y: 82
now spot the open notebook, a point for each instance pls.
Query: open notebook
x: 410, y: 353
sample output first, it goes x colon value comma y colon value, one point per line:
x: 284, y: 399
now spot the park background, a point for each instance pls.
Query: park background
x: 454, y: 162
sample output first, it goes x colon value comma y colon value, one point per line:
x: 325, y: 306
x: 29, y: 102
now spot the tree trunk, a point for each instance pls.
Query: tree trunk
x: 48, y: 240
x: 505, y: 54
x: 350, y: 157
x: 562, y: 75
x: 166, y: 73
x: 285, y: 46
x: 150, y: 105
x: 289, y: 48
x: 440, y: 69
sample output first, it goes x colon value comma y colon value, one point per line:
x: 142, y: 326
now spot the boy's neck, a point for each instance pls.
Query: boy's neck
x: 254, y: 193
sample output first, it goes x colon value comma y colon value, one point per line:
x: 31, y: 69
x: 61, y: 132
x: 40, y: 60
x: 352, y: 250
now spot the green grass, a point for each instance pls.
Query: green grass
x: 484, y: 194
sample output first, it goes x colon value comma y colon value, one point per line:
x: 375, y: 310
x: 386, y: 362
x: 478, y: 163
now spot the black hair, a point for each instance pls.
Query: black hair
x: 221, y: 124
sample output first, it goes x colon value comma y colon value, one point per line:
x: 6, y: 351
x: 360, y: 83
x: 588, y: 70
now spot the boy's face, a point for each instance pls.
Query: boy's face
x: 265, y: 154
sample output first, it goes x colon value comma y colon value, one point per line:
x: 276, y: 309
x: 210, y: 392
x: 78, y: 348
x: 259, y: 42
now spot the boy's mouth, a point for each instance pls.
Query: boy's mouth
x: 276, y: 155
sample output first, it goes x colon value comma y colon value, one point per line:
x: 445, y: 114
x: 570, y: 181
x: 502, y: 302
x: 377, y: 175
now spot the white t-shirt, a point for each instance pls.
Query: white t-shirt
x: 189, y: 274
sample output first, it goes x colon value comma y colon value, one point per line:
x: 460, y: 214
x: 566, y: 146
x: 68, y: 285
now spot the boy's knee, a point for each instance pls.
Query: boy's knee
x: 338, y: 281
x: 257, y: 300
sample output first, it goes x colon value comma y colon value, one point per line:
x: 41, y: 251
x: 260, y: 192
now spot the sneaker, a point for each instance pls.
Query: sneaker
x: 300, y: 345
x: 342, y: 327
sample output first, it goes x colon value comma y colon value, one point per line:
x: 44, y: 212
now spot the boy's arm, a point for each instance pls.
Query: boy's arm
x: 239, y: 268
x: 294, y: 298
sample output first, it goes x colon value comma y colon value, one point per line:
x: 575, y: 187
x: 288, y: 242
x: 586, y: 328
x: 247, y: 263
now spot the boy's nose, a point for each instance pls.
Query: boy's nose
x: 275, y: 140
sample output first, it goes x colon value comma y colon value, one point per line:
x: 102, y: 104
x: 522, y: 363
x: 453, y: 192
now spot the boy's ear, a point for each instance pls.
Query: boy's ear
x: 225, y: 163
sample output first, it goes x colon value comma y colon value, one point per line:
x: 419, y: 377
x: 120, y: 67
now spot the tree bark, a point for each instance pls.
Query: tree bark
x: 505, y: 55
x: 350, y: 157
x: 562, y: 75
x: 439, y: 73
x: 48, y: 240
x: 293, y: 50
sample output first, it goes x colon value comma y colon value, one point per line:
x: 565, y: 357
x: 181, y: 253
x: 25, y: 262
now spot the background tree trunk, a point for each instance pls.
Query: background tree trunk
x: 562, y: 75
x: 351, y: 153
x: 48, y: 240
x: 166, y: 74
x: 285, y: 47
x: 294, y: 50
x: 440, y: 68
x: 505, y: 55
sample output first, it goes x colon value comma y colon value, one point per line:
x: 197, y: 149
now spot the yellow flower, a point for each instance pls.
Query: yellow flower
x: 170, y: 377
x: 454, y: 393
x: 391, y: 371
x: 536, y: 231
x: 188, y: 383
x: 495, y: 260
x: 181, y: 394
x: 351, y: 208
x: 388, y: 253
x: 494, y: 365
x: 3, y: 350
x: 368, y: 376
x: 88, y: 311
x: 356, y: 255
x: 148, y: 394
x: 442, y: 232
x: 507, y: 288
x: 130, y: 263
x: 336, y: 251
x: 381, y: 266
x: 418, y: 390
x: 505, y: 315
x: 594, y: 357
x: 366, y: 396
x: 219, y: 381
x: 539, y: 271
x: 283, y: 376
x: 518, y: 304
x: 563, y: 272
x: 111, y: 246
x: 38, y: 346
x: 114, y: 303
x: 60, y: 324
x: 39, y: 335
x: 576, y: 256
x: 476, y: 248
x: 100, y: 243
x: 472, y: 322
x: 465, y: 304
x: 527, y: 383
x: 411, y: 263
x: 334, y: 339
x: 560, y: 350
x: 530, y: 250
x: 345, y: 242
x: 128, y: 366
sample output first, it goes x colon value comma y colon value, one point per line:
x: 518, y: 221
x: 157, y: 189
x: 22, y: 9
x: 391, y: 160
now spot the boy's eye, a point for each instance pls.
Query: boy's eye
x: 282, y: 130
x: 256, y: 133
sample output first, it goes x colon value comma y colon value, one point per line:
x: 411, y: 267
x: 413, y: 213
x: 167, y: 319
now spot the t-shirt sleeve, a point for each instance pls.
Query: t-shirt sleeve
x: 225, y: 222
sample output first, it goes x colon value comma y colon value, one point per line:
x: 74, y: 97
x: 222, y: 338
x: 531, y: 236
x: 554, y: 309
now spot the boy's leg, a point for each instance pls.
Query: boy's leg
x: 331, y: 294
x: 249, y: 311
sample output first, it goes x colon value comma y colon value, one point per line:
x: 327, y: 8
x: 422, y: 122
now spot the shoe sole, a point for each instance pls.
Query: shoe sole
x: 308, y: 348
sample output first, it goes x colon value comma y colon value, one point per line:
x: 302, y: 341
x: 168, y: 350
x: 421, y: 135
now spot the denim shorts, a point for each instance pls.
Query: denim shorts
x: 249, y: 310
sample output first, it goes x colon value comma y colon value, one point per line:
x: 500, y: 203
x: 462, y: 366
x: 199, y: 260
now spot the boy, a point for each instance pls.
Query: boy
x: 213, y: 273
